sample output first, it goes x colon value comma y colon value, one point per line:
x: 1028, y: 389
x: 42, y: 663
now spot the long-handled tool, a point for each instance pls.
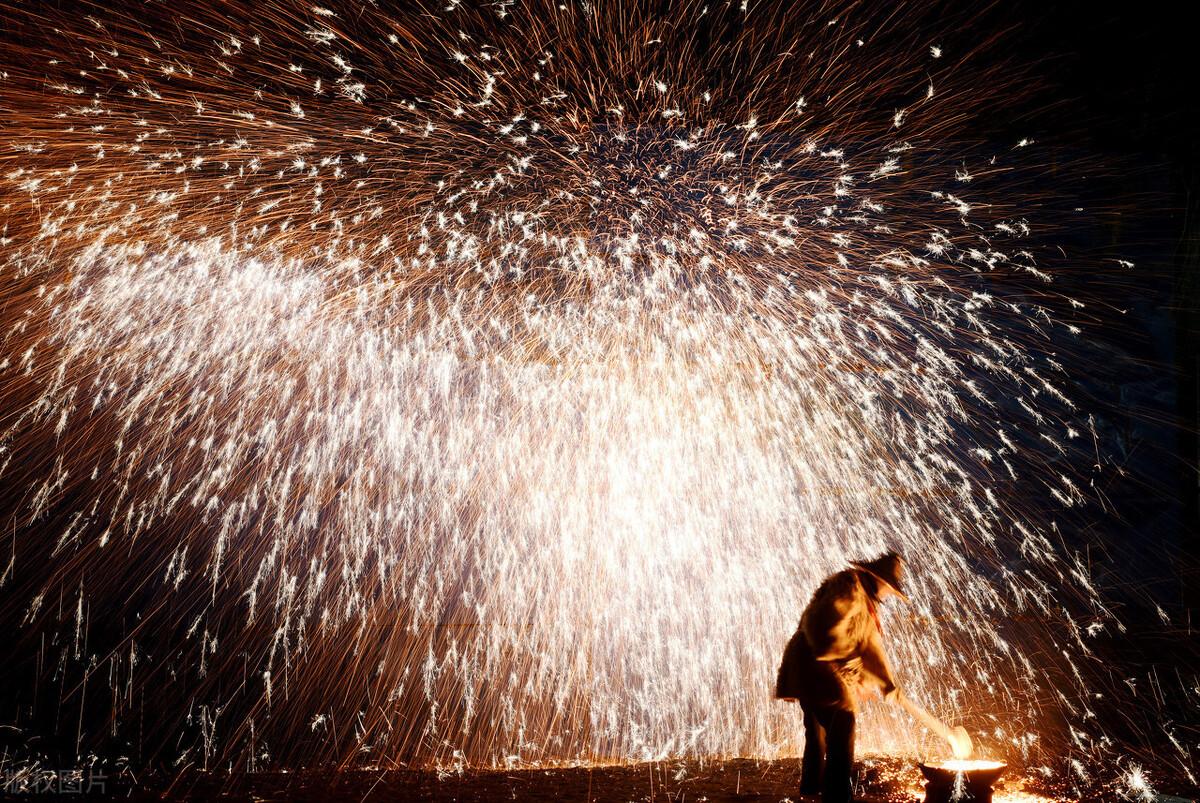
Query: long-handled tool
x: 959, y: 739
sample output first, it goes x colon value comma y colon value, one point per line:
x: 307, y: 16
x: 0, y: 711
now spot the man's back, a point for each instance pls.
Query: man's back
x: 838, y: 619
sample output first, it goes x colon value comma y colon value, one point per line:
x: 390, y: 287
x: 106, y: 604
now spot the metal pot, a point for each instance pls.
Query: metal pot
x: 960, y: 780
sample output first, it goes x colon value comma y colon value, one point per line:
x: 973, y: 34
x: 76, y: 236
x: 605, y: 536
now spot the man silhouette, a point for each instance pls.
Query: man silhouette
x: 835, y: 657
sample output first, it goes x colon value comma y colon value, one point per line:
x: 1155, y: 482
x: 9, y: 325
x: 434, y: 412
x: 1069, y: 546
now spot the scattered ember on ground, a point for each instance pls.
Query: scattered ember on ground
x: 881, y: 780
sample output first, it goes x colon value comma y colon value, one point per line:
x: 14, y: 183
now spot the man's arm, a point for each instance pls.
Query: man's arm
x: 876, y: 667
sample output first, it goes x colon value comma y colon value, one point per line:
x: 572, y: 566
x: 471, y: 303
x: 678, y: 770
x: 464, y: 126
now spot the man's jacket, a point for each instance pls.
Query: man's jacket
x: 839, y: 632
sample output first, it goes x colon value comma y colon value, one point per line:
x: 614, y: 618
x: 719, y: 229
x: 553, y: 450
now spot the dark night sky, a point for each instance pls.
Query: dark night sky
x: 1121, y: 94
x: 1124, y: 81
x: 1122, y: 89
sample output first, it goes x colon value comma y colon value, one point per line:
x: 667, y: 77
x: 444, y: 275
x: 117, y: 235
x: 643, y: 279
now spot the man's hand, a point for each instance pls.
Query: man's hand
x: 871, y: 687
x: 866, y: 691
x: 960, y: 742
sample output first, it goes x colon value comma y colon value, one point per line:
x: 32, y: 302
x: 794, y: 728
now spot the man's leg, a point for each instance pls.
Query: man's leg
x: 813, y: 765
x: 839, y: 756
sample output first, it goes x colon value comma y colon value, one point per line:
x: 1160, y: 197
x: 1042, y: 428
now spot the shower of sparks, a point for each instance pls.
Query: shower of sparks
x: 493, y: 383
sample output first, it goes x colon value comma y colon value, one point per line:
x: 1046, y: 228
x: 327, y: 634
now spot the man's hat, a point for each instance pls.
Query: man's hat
x: 886, y: 569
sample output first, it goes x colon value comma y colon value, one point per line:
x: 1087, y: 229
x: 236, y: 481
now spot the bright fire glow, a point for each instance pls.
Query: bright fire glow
x: 965, y: 765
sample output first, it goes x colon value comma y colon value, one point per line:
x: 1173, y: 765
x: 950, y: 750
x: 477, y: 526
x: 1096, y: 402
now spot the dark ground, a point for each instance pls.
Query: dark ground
x: 882, y: 780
